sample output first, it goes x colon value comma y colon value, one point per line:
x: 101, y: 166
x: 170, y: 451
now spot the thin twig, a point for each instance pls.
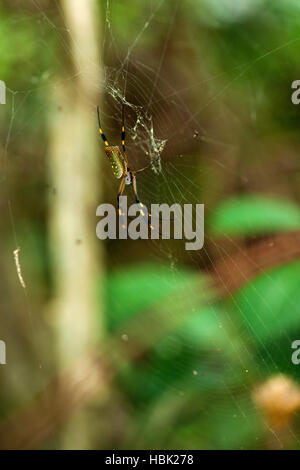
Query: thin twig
x: 18, y: 266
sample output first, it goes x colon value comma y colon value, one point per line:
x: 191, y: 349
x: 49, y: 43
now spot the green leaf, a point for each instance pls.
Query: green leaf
x: 267, y: 310
x: 269, y: 304
x: 130, y: 291
x: 254, y: 215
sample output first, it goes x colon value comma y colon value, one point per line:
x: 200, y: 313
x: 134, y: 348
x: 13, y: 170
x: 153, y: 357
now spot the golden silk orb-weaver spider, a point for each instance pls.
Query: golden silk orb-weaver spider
x: 119, y: 162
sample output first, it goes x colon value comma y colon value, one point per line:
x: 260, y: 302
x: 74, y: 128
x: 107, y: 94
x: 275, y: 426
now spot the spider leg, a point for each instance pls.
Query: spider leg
x: 138, y: 200
x: 123, y: 136
x: 120, y: 192
x: 135, y: 190
x: 142, y: 205
x: 100, y: 129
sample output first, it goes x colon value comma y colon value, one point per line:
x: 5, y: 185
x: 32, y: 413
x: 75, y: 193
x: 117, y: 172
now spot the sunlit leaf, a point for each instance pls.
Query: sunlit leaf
x: 254, y: 215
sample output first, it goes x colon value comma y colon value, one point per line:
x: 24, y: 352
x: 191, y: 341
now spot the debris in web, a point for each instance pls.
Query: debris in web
x: 141, y: 132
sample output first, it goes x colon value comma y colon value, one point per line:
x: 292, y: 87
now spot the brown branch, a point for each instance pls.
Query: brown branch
x: 234, y: 271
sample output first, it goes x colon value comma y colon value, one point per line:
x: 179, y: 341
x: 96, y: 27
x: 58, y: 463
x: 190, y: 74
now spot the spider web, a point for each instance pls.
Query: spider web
x: 170, y: 121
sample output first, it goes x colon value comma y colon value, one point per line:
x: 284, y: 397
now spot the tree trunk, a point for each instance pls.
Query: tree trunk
x: 74, y: 173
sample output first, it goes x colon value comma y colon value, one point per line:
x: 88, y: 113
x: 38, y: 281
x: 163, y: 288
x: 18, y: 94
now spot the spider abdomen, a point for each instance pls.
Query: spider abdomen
x: 116, y: 160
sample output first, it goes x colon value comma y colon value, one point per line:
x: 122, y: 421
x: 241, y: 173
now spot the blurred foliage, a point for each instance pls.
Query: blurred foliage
x: 208, y: 362
x: 254, y: 215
